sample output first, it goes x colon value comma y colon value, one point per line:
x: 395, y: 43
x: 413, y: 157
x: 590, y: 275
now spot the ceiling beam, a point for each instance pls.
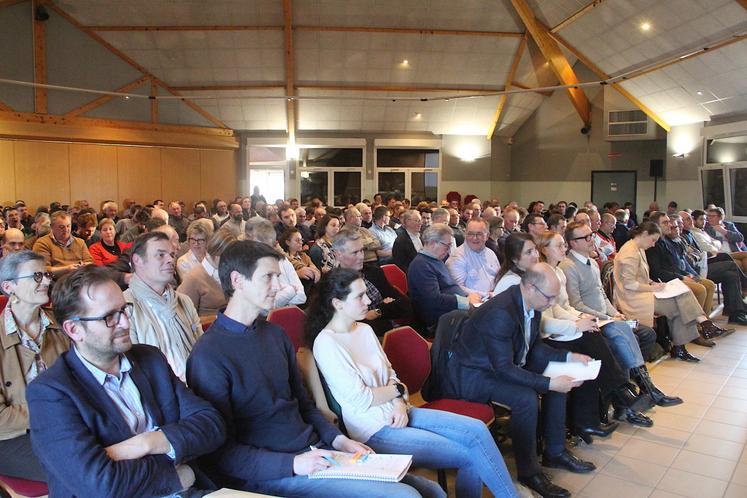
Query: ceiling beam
x: 509, y: 81
x: 105, y: 98
x: 111, y: 48
x: 554, y: 56
x: 8, y: 3
x: 40, y: 59
x: 577, y: 15
x: 153, y: 102
x: 602, y: 75
x: 333, y: 86
x: 290, y: 71
x: 5, y: 107
x: 743, y: 3
x: 343, y: 29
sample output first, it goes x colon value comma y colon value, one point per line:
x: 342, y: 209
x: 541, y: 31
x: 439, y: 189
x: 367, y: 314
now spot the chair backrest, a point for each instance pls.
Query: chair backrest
x: 292, y: 320
x: 3, y: 301
x: 409, y: 355
x: 22, y: 487
x: 607, y: 274
x: 396, y: 277
x: 313, y: 381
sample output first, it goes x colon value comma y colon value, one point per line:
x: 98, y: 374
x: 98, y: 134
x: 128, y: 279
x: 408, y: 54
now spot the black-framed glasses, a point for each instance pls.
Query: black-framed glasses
x: 38, y: 276
x: 197, y: 241
x: 110, y: 319
x: 587, y: 238
x: 549, y: 298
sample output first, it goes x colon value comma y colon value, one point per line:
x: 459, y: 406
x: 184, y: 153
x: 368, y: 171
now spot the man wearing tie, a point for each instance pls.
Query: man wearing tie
x: 498, y: 359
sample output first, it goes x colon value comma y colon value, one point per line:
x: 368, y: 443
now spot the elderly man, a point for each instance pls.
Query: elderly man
x: 456, y: 227
x: 112, y: 414
x: 433, y: 291
x: 366, y: 214
x: 221, y: 212
x: 110, y: 210
x: 500, y: 358
x: 731, y: 239
x: 13, y: 219
x: 407, y: 244
x: 387, y: 303
x: 605, y: 245
x: 371, y: 244
x: 62, y: 252
x: 177, y: 220
x: 12, y: 241
x: 382, y: 231
x: 473, y: 265
x: 290, y: 289
x: 585, y: 294
x: 41, y: 226
x: 235, y: 222
x: 620, y: 232
x: 161, y: 316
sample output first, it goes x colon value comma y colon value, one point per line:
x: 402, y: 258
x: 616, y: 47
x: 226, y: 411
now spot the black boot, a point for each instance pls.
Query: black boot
x: 681, y: 353
x: 641, y: 377
x: 627, y: 407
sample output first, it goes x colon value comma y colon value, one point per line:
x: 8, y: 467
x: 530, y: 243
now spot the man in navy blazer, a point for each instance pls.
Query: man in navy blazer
x: 109, y: 418
x: 407, y: 244
x: 499, y: 358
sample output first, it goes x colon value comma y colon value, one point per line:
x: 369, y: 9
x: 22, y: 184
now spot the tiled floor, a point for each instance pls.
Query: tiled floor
x: 695, y: 450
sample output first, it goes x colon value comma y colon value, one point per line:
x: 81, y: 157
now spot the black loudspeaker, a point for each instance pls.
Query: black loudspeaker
x: 656, y: 168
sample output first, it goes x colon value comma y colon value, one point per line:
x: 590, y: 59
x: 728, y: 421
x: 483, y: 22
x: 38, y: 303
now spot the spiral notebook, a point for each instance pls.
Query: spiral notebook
x: 387, y: 468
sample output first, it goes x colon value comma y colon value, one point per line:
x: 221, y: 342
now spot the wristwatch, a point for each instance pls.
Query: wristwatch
x: 401, y: 389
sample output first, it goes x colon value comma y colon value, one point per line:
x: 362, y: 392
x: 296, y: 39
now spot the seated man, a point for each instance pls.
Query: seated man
x: 473, y: 265
x: 499, y: 358
x: 247, y: 368
x: 620, y: 233
x: 387, y: 303
x: 109, y: 418
x: 288, y: 220
x: 291, y: 291
x: 371, y: 245
x: 161, y: 316
x: 456, y: 227
x: 407, y: 244
x: 433, y: 291
x: 12, y: 241
x: 585, y: 294
x: 382, y: 231
x: 603, y: 240
x: 732, y: 240
x: 235, y: 222
x: 62, y: 252
x: 536, y: 226
x: 177, y: 220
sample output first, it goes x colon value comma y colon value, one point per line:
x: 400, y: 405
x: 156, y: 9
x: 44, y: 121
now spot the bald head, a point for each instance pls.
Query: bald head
x: 160, y: 214
x: 171, y: 233
x: 12, y: 241
x: 540, y: 287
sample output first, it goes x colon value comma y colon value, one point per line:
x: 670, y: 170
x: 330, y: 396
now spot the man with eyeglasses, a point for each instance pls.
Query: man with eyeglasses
x: 161, y: 316
x: 499, y: 358
x: 109, y: 418
x: 13, y: 241
x: 473, y: 265
x: 536, y: 226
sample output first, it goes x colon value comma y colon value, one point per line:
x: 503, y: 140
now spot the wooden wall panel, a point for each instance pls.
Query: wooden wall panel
x: 93, y: 173
x: 139, y: 173
x: 180, y: 175
x: 42, y: 172
x: 7, y: 173
x: 218, y: 175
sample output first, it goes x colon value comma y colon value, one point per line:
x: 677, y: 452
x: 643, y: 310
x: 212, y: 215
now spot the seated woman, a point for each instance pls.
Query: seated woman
x: 198, y: 233
x: 634, y: 293
x: 202, y: 283
x: 291, y: 242
x: 108, y: 249
x: 564, y: 327
x: 321, y: 252
x: 31, y: 342
x: 520, y: 254
x: 373, y: 401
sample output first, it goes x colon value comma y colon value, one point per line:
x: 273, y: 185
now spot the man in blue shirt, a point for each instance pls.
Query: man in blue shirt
x: 109, y: 418
x: 247, y: 368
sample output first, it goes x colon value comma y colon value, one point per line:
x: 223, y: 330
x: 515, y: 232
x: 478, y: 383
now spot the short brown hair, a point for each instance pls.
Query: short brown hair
x: 67, y: 290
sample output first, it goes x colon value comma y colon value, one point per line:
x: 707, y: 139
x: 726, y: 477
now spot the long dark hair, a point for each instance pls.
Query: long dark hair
x: 647, y: 227
x: 335, y: 284
x: 514, y: 246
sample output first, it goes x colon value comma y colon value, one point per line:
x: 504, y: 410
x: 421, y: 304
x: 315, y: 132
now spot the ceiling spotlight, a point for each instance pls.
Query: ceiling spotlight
x: 699, y: 92
x: 418, y: 115
x: 404, y: 63
x: 127, y: 97
x: 645, y: 26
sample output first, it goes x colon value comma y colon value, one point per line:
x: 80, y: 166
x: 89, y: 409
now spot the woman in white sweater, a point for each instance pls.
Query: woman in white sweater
x: 566, y: 328
x: 374, y: 403
x: 520, y: 255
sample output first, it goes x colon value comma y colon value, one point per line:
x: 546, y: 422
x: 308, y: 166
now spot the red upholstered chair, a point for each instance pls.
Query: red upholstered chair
x: 3, y: 301
x: 396, y: 277
x: 292, y: 320
x: 23, y: 487
x: 410, y: 357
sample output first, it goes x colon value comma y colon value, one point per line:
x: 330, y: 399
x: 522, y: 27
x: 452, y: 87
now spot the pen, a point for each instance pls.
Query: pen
x: 328, y: 458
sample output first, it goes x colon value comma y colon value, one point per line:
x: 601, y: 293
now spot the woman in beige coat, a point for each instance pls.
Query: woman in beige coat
x: 30, y: 342
x: 634, y: 293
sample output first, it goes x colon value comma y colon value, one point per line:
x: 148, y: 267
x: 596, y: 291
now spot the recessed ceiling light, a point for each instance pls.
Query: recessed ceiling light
x: 645, y: 26
x: 404, y: 63
x: 699, y: 92
x: 127, y: 97
x: 418, y: 115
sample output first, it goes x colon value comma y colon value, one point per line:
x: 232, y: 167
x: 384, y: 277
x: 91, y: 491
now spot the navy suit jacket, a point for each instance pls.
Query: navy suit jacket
x: 73, y: 420
x: 492, y: 343
x: 403, y: 250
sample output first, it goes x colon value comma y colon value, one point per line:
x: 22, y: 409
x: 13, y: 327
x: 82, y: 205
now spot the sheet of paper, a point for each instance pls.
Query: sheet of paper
x: 602, y: 323
x: 573, y: 369
x: 233, y: 493
x: 673, y: 288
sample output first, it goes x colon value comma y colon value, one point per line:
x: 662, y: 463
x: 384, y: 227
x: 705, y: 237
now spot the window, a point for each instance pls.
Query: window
x: 411, y: 173
x: 314, y: 184
x: 347, y: 187
x: 407, y: 158
x: 713, y: 187
x: 738, y: 187
x: 424, y: 187
x: 334, y: 174
x: 271, y: 183
x: 726, y: 150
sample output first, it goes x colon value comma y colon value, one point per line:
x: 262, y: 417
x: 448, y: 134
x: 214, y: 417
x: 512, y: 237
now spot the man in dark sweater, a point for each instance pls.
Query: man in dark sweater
x: 247, y: 368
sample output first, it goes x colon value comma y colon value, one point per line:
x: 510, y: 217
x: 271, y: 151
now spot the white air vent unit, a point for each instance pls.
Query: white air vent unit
x: 629, y: 125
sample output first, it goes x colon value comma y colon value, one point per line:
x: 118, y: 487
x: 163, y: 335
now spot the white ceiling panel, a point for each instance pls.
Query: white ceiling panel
x: 239, y: 111
x: 553, y: 12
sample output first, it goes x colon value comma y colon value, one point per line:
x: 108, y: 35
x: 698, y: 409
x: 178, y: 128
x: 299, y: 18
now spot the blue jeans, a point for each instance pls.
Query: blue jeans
x: 623, y: 343
x: 303, y: 487
x: 440, y: 440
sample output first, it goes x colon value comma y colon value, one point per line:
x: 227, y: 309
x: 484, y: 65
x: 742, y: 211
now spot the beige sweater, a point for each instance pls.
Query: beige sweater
x: 206, y: 294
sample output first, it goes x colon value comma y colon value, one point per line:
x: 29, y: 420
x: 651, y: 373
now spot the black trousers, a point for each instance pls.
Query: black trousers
x: 481, y: 387
x: 584, y: 400
x: 18, y: 460
x: 727, y: 273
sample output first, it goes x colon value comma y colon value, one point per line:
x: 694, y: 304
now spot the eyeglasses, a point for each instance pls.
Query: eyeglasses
x: 110, y: 319
x: 38, y: 276
x: 445, y: 244
x: 476, y: 235
x: 197, y: 241
x: 549, y: 298
x: 587, y: 238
